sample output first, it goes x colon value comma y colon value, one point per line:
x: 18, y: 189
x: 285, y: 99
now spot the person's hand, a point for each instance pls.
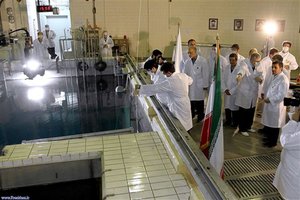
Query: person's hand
x: 136, y: 91
x: 267, y: 100
x: 105, y: 46
x: 239, y: 78
x: 258, y: 79
x: 287, y: 67
x: 227, y: 92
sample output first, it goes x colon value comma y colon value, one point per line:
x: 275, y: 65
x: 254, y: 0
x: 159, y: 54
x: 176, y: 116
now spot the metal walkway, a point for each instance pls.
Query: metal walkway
x: 251, y: 177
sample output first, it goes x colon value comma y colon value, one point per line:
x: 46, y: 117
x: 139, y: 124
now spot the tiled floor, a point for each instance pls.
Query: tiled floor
x: 136, y: 166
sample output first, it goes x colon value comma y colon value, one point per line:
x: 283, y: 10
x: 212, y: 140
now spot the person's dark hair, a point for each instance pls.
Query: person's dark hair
x: 156, y: 53
x: 167, y: 67
x: 273, y: 51
x: 235, y: 46
x: 277, y: 57
x: 274, y: 62
x: 158, y: 57
x: 150, y: 64
x: 233, y: 55
x: 215, y: 45
x: 191, y: 40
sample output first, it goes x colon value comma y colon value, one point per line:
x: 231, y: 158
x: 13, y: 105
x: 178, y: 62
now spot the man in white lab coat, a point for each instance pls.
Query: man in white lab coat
x: 235, y: 48
x: 274, y: 112
x: 176, y: 86
x: 185, y: 55
x: 197, y: 68
x: 229, y: 86
x: 153, y: 68
x: 247, y: 93
x: 289, y: 60
x: 50, y: 35
x: 265, y: 65
x: 106, y: 44
x: 287, y: 177
x: 40, y: 46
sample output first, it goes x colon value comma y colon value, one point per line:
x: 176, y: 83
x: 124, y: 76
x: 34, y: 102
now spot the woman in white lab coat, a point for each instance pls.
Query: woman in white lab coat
x: 274, y: 112
x: 176, y: 86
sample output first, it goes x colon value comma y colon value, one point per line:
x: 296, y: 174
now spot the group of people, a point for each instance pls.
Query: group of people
x: 44, y: 45
x: 250, y: 85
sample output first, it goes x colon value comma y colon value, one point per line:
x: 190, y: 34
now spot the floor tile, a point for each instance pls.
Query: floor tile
x: 164, y: 192
x: 141, y: 195
x: 161, y: 185
x: 158, y: 179
x: 182, y: 189
x: 139, y: 188
x: 117, y: 191
x: 138, y: 181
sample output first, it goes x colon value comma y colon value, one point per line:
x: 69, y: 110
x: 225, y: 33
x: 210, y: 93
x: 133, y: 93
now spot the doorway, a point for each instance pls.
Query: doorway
x: 60, y: 24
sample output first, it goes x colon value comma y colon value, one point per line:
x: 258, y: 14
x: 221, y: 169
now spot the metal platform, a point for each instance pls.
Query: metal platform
x: 251, y: 177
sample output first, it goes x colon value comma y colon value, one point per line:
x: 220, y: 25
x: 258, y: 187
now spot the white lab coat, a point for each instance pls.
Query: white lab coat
x: 157, y: 78
x: 40, y: 51
x: 50, y: 38
x: 289, y: 59
x: 106, y: 52
x: 247, y: 91
x: 269, y: 76
x: 199, y: 73
x: 185, y: 56
x: 274, y: 113
x: 229, y: 82
x: 264, y: 66
x: 176, y: 87
x: 287, y: 177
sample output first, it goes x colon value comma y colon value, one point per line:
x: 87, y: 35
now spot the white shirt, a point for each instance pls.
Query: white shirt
x: 287, y: 177
x: 157, y: 78
x: 50, y: 38
x: 274, y: 113
x: 106, y: 51
x: 40, y: 51
x: 229, y: 82
x: 290, y: 60
x: 248, y: 88
x: 176, y: 87
x: 200, y: 74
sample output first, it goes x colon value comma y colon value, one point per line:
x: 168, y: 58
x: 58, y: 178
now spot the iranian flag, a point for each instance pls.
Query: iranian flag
x: 211, y: 140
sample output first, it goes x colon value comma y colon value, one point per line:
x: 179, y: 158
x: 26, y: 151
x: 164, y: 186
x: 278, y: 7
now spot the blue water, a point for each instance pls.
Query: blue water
x: 60, y: 107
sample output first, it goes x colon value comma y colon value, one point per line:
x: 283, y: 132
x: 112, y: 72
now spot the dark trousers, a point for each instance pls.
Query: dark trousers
x: 246, y: 118
x: 270, y: 136
x: 232, y: 117
x: 51, y: 51
x: 197, y: 108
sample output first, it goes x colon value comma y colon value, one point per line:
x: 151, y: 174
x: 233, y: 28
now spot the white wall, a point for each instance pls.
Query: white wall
x: 159, y: 20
